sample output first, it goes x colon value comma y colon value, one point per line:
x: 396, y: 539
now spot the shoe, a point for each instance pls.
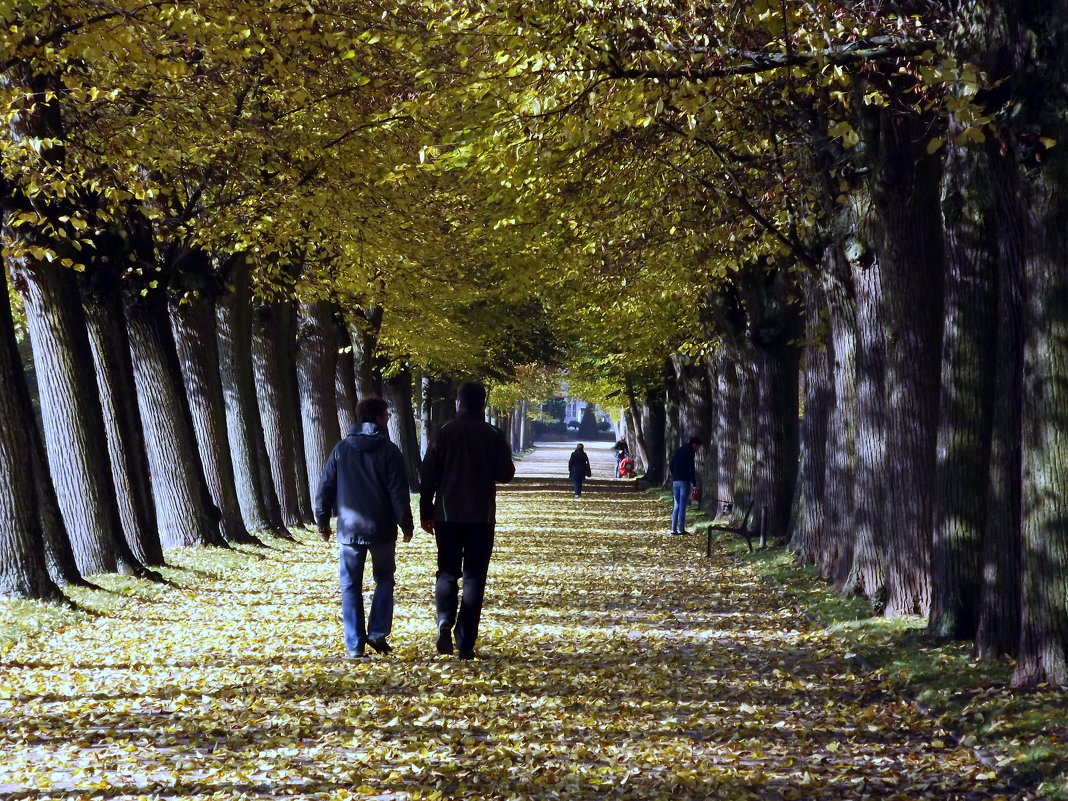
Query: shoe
x: 444, y: 641
x: 357, y: 655
x: 674, y: 533
x: 380, y: 645
x: 466, y: 653
x: 684, y: 532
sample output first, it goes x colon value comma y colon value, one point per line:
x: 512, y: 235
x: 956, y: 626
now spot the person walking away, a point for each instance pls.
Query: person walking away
x: 457, y: 504
x: 683, y: 477
x: 578, y: 468
x: 622, y: 452
x: 365, y: 483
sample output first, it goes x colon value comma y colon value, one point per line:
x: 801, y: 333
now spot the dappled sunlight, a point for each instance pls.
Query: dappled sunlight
x: 616, y: 662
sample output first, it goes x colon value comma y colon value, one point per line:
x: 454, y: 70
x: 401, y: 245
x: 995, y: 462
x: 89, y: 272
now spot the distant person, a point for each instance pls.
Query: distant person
x: 457, y: 505
x: 622, y: 452
x: 683, y: 477
x: 578, y: 468
x: 365, y: 482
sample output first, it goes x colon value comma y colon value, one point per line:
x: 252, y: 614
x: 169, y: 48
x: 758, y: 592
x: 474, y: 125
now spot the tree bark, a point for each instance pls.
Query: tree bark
x: 345, y: 391
x: 118, y: 397
x: 967, y: 397
x: 185, y: 512
x: 367, y: 361
x: 905, y: 186
x: 654, y: 425
x: 256, y: 493
x: 835, y: 554
x: 727, y: 426
x: 23, y: 569
x: 273, y: 340
x: 807, y: 533
x: 73, y: 420
x: 398, y: 390
x: 860, y: 566
x: 193, y: 325
x: 316, y: 356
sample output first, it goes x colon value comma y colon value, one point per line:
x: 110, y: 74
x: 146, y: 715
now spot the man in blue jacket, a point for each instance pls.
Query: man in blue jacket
x: 365, y: 482
x: 683, y: 477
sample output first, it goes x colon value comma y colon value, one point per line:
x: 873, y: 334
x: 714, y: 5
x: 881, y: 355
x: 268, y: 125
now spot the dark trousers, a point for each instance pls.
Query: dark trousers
x: 577, y: 480
x: 464, y: 551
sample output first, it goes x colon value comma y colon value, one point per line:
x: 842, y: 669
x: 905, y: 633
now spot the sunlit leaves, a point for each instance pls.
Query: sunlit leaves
x: 618, y: 663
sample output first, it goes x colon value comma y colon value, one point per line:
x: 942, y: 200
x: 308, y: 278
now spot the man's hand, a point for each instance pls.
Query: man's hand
x: 325, y: 534
x: 427, y: 526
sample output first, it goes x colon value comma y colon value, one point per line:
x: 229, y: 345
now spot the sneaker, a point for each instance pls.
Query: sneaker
x: 444, y: 641
x: 466, y: 653
x: 356, y: 655
x: 380, y: 645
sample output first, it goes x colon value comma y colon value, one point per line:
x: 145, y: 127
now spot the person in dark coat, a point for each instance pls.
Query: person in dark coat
x: 683, y: 477
x: 578, y: 468
x: 458, y: 505
x: 365, y: 483
x: 622, y: 451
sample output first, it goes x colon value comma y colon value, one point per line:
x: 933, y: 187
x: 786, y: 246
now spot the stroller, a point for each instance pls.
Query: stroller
x: 626, y: 468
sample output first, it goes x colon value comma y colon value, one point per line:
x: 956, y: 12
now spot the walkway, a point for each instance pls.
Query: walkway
x: 618, y: 663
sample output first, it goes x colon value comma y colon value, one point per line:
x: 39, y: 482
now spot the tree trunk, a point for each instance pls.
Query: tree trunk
x: 710, y: 499
x: 809, y: 520
x: 727, y: 426
x: 316, y: 356
x: 967, y: 399
x: 859, y: 566
x: 125, y: 438
x: 193, y: 325
x: 368, y: 364
x: 905, y: 187
x: 744, y: 490
x: 73, y: 420
x: 23, y: 569
x: 272, y: 345
x: 185, y: 512
x: 636, y: 440
x: 402, y: 431
x: 256, y: 493
x: 654, y: 424
x: 835, y: 554
x: 345, y: 383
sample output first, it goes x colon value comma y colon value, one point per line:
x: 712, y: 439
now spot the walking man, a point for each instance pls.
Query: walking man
x: 460, y: 471
x: 578, y: 468
x: 365, y: 482
x: 683, y: 477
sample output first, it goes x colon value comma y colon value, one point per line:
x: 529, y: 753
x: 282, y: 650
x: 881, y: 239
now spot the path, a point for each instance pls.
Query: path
x: 619, y: 663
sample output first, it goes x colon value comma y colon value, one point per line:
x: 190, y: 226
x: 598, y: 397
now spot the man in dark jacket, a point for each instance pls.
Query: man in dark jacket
x: 578, y: 468
x: 365, y: 482
x: 460, y: 471
x: 683, y: 477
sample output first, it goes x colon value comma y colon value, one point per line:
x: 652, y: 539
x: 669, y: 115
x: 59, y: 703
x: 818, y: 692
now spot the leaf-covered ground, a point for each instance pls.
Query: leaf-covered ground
x: 617, y: 662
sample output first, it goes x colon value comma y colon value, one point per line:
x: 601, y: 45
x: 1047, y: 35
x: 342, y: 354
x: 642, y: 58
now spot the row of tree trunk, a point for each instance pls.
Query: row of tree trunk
x: 176, y: 410
x: 928, y: 356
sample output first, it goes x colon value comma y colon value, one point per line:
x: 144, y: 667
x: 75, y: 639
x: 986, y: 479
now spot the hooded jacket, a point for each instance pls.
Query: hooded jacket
x: 461, y: 469
x: 365, y: 483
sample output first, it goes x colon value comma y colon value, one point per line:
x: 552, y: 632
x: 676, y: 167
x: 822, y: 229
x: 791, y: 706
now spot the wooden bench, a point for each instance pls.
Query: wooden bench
x: 742, y: 529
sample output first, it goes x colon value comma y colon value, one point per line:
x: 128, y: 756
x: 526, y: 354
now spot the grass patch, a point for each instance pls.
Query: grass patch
x: 1022, y: 734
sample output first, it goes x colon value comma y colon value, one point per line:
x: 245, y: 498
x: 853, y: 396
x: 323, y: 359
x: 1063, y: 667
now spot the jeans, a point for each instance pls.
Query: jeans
x: 383, y: 566
x: 578, y: 486
x: 464, y: 550
x: 681, y: 492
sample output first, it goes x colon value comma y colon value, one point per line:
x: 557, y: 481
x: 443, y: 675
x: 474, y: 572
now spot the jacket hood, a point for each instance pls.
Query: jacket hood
x: 367, y: 436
